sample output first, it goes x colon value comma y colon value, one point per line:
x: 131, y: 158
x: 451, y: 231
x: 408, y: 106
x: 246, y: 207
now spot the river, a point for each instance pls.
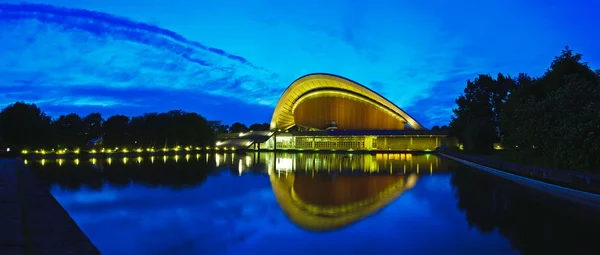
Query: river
x: 307, y: 203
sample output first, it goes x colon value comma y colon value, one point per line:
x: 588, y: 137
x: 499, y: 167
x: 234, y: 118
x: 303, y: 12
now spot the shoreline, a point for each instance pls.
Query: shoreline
x: 173, y: 153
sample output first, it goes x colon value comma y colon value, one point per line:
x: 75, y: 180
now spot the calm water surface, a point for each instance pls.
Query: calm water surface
x: 310, y: 204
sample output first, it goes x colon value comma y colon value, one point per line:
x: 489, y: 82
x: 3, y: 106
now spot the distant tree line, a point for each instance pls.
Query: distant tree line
x: 28, y: 127
x: 555, y: 116
x: 241, y: 128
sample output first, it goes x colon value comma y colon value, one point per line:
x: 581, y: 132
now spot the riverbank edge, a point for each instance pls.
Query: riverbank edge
x: 47, y: 226
x: 571, y: 194
x: 180, y: 153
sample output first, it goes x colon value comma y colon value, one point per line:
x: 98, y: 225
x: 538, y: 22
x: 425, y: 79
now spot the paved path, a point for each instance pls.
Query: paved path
x: 31, y: 220
x: 12, y: 239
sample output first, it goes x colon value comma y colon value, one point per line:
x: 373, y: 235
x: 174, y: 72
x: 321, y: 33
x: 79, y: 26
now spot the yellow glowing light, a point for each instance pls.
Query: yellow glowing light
x: 152, y: 159
x: 138, y: 160
x: 24, y: 152
x: 240, y: 168
x: 93, y: 151
x: 217, y: 159
x: 248, y: 160
x: 304, y: 88
x: 187, y: 158
x: 165, y: 159
x: 43, y: 162
x: 103, y: 150
x: 241, y: 134
x: 219, y: 143
x: 93, y: 161
x: 165, y: 149
x: 76, y: 151
x: 150, y: 149
x: 76, y: 161
x: 176, y: 158
x: 139, y: 150
x: 124, y: 150
x: 108, y: 151
x: 198, y: 148
x: 125, y: 159
x: 176, y: 149
x: 197, y: 156
x: 232, y: 148
x: 42, y: 151
x: 60, y: 161
x: 188, y: 148
x: 109, y: 160
x: 25, y: 161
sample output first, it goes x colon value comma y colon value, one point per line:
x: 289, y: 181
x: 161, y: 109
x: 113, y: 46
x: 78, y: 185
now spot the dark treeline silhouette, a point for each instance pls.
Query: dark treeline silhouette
x: 28, y: 127
x: 241, y: 128
x: 533, y: 222
x: 555, y: 117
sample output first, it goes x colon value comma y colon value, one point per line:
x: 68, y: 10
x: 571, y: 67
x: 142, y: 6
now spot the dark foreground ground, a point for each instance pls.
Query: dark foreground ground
x: 32, y: 221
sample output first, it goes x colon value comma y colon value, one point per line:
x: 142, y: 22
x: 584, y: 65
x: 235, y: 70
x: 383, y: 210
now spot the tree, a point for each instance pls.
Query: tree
x: 238, y: 128
x: 476, y: 121
x: 260, y: 127
x: 69, y: 130
x: 557, y: 115
x: 25, y: 125
x: 115, y: 131
x: 92, y: 125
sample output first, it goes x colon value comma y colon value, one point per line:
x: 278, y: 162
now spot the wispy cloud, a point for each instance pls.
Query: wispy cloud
x: 57, y: 48
x: 410, y: 52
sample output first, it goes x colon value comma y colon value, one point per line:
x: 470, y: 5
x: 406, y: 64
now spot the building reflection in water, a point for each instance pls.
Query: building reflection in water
x: 326, y: 202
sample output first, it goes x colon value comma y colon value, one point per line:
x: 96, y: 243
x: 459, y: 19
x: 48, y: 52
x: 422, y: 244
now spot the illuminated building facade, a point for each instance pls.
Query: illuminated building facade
x: 329, y: 112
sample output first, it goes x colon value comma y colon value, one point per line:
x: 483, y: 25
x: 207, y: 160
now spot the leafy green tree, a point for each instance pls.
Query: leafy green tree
x: 238, y: 128
x: 92, y: 126
x: 115, y: 131
x: 25, y: 125
x: 557, y: 115
x: 476, y: 121
x: 260, y: 127
x: 69, y: 131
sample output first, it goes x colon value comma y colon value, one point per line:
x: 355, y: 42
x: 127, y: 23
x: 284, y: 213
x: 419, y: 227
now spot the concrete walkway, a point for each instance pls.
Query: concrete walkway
x: 581, y: 197
x: 12, y: 239
x: 31, y: 220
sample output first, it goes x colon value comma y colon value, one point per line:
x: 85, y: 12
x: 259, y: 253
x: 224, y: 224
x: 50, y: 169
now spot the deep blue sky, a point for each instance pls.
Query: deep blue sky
x: 230, y: 60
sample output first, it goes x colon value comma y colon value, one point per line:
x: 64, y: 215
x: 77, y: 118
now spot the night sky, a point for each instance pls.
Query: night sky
x: 230, y: 60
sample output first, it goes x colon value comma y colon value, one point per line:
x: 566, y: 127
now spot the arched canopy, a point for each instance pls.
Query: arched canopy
x: 320, y: 85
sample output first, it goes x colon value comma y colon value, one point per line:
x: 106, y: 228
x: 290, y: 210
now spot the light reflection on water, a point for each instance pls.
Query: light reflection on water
x: 267, y: 162
x: 266, y: 203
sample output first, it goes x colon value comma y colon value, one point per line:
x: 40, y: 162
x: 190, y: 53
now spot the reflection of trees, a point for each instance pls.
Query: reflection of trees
x: 158, y: 174
x: 534, y: 223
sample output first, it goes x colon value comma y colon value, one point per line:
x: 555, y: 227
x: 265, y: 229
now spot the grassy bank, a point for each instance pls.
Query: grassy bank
x: 527, y: 158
